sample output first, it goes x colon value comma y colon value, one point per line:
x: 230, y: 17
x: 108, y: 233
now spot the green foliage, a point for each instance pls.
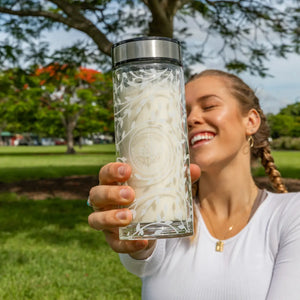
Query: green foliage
x: 286, y: 143
x: 17, y: 106
x: 291, y: 110
x: 281, y: 125
x: 286, y: 122
x: 57, y: 100
x: 76, y: 95
x: 49, y: 252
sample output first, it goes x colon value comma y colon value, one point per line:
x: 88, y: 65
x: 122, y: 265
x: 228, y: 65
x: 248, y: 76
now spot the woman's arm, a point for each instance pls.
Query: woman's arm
x: 285, y: 283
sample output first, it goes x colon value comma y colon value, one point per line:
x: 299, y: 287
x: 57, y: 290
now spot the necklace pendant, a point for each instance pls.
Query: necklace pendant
x: 219, y: 246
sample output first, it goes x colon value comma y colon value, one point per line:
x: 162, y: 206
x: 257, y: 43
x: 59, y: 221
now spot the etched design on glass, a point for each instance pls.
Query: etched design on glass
x: 151, y: 135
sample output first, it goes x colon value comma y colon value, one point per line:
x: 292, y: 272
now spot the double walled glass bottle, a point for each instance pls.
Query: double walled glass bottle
x: 151, y: 136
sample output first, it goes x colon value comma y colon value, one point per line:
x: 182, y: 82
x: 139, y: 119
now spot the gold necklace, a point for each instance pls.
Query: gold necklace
x: 220, y: 242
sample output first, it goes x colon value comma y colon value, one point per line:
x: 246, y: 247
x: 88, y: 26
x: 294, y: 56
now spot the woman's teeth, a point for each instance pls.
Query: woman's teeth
x: 201, y: 137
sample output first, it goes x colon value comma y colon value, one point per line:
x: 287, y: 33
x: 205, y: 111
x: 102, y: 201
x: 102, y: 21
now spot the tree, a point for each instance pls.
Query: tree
x: 286, y: 122
x: 249, y: 30
x: 74, y: 98
x: 17, y: 107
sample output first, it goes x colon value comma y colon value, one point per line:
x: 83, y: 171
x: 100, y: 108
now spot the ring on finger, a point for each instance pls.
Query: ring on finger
x: 90, y: 204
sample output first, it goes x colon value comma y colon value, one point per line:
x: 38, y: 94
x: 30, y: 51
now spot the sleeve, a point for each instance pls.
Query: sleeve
x: 146, y: 267
x: 285, y: 283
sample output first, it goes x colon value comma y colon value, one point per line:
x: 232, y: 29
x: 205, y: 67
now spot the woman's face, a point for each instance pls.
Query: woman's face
x: 217, y: 128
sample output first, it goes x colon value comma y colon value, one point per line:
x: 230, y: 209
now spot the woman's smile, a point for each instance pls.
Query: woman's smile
x: 200, y: 138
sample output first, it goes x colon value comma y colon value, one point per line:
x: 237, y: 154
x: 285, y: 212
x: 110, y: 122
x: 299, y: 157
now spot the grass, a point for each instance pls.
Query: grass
x: 20, y: 163
x: 287, y: 162
x: 49, y: 252
x: 31, y: 150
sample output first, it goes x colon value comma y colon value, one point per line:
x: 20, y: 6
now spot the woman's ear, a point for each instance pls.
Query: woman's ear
x: 252, y: 122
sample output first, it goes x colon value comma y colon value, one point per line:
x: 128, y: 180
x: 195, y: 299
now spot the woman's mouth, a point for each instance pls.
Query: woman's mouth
x: 201, y: 137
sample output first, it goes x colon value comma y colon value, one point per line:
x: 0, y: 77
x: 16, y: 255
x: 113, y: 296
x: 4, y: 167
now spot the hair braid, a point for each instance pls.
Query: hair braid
x: 261, y: 149
x: 267, y: 161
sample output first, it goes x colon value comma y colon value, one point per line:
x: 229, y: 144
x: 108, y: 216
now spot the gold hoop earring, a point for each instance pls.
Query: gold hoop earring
x: 251, y: 141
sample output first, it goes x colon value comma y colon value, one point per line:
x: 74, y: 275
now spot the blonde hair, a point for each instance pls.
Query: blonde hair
x: 261, y: 146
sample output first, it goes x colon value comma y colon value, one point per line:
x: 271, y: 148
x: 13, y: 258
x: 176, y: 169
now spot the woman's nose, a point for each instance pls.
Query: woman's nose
x: 194, y: 118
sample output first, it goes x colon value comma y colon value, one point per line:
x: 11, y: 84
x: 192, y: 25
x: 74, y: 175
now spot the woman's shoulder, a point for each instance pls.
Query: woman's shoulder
x: 284, y: 198
x: 284, y: 205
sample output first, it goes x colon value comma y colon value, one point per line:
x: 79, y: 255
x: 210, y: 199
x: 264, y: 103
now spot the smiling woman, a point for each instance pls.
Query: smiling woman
x: 246, y: 240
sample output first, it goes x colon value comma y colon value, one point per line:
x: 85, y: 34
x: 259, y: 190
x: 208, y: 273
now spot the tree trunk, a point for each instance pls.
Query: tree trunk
x: 163, y: 12
x: 70, y: 139
x: 70, y: 122
x: 3, y: 125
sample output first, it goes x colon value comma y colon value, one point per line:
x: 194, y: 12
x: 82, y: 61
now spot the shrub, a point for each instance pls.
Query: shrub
x: 286, y: 143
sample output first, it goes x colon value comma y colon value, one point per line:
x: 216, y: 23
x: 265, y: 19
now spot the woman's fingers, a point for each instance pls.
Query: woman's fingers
x: 106, y: 220
x: 114, y: 172
x: 195, y: 172
x: 119, y: 246
x: 106, y: 195
x: 109, y: 221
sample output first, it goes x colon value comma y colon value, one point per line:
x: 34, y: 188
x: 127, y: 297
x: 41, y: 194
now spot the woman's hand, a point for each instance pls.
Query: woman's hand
x: 106, y: 199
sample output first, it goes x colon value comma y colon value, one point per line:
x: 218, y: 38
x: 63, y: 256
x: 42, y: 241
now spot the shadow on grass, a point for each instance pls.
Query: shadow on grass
x: 51, y: 221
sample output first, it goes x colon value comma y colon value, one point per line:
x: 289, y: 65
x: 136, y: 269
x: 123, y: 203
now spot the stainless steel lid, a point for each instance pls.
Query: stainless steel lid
x: 145, y: 48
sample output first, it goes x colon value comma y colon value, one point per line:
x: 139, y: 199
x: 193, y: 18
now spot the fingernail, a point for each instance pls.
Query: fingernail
x: 122, y: 170
x: 125, y: 193
x: 122, y: 215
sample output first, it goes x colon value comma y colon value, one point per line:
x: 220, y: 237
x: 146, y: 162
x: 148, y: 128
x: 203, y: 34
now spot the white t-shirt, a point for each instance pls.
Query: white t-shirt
x: 261, y: 262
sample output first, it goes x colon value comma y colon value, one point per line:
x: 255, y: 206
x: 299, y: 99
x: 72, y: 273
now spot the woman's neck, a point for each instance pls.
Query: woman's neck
x: 228, y: 191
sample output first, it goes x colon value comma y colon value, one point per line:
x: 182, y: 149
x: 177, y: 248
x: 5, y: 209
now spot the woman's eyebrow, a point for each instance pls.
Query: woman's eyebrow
x: 206, y: 97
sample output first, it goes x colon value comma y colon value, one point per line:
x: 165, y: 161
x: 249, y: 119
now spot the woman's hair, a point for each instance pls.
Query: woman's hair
x: 248, y: 100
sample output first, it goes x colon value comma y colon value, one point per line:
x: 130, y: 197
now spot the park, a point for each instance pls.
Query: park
x: 64, y: 95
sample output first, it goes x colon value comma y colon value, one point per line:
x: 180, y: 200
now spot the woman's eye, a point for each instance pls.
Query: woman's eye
x: 208, y: 107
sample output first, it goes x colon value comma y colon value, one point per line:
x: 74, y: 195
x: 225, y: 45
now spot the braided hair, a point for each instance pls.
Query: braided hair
x: 261, y: 145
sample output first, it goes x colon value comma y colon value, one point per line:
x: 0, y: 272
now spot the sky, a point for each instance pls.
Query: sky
x: 274, y: 92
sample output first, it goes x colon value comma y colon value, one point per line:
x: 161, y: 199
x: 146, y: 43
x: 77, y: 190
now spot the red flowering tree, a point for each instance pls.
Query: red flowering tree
x: 76, y: 98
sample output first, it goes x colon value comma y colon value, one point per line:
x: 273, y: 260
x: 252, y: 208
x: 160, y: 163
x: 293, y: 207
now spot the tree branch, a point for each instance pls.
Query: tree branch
x: 80, y: 22
x: 163, y: 12
x: 33, y: 13
x: 75, y: 20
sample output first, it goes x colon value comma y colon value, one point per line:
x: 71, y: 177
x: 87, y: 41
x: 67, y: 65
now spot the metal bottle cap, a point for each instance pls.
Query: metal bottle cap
x: 145, y: 48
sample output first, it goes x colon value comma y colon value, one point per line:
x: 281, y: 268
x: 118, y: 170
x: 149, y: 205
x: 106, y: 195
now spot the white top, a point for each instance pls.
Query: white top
x: 261, y: 262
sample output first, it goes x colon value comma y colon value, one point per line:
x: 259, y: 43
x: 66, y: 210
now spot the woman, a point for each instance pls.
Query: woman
x: 247, y: 241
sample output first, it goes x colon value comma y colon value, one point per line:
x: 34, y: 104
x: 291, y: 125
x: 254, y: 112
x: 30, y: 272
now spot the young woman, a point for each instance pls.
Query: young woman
x: 247, y: 241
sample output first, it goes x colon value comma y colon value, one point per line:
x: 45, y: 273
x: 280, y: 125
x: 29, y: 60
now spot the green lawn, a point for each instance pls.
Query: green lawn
x: 288, y: 163
x: 48, y: 251
x: 19, y: 163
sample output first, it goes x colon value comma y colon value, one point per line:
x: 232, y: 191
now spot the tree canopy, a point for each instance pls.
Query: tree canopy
x: 286, y: 122
x: 244, y: 33
x: 58, y: 100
